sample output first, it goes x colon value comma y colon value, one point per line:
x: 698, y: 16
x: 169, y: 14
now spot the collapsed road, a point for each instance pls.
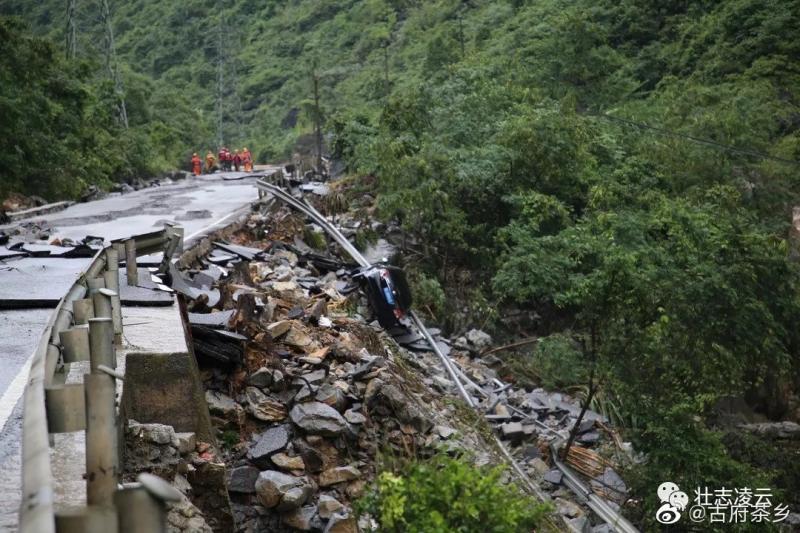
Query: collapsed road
x: 303, y: 385
x: 41, y: 257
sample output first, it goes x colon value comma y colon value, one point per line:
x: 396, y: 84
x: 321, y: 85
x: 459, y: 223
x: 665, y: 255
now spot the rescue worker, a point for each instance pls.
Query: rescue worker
x: 210, y: 161
x: 237, y: 160
x: 223, y: 158
x: 247, y: 160
x: 196, y: 164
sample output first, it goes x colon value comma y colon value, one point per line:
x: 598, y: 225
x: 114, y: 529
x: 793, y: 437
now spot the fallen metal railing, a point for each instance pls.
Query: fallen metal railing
x: 86, y: 326
x: 610, y: 516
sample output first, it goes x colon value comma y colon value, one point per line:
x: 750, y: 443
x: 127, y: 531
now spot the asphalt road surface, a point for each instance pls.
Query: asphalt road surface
x: 199, y: 204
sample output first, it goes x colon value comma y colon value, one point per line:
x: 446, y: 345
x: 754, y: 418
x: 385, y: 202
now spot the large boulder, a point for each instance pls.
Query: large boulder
x: 318, y: 418
x: 387, y: 400
x: 282, y: 491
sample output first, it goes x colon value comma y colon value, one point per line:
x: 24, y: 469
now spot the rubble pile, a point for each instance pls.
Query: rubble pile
x: 306, y: 391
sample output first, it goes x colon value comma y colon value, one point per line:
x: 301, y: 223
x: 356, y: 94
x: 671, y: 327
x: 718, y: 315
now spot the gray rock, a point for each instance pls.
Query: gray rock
x: 444, y: 432
x: 223, y: 405
x: 318, y: 419
x: 243, y: 479
x: 276, y: 329
x: 512, y: 430
x: 354, y: 417
x: 332, y: 395
x: 285, y: 462
x: 155, y: 433
x: 774, y: 430
x: 295, y: 497
x: 328, y: 505
x: 479, y: 339
x: 311, y: 457
x: 385, y: 399
x: 338, y: 474
x: 263, y: 407
x: 567, y: 508
x: 580, y: 523
x: 301, y: 519
x: 342, y: 523
x: 610, y: 481
x: 271, y: 441
x: 272, y: 487
x: 186, y: 442
x: 590, y: 437
x: 553, y: 476
x: 262, y: 378
x: 539, y: 465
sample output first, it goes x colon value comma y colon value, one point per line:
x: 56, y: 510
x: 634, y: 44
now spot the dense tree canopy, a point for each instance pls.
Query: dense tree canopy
x: 625, y: 168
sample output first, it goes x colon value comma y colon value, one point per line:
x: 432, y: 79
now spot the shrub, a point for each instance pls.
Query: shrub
x: 445, y: 495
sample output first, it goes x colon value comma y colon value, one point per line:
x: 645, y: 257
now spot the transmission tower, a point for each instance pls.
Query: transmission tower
x: 111, y: 63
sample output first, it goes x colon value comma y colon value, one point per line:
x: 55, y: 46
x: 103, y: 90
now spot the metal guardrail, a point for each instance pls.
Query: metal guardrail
x: 85, y: 326
x: 613, y: 518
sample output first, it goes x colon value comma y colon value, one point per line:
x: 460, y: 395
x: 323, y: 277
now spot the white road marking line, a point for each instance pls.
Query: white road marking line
x: 223, y: 219
x: 14, y: 392
x: 17, y: 387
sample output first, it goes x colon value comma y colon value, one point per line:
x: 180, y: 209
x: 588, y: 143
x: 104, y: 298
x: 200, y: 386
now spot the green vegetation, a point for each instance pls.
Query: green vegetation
x: 442, y: 494
x: 625, y: 169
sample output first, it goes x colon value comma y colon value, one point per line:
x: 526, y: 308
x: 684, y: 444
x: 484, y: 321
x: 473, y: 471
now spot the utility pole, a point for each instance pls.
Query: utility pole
x: 72, y: 31
x: 317, y: 120
x: 220, y: 77
x: 386, y: 69
x: 461, y: 33
x: 111, y: 64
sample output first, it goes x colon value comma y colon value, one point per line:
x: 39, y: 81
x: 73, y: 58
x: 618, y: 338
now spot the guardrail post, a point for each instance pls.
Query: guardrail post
x: 102, y: 303
x: 82, y: 311
x: 101, y: 343
x: 102, y: 460
x: 75, y: 343
x: 95, y: 284
x: 175, y: 243
x: 112, y: 283
x: 142, y: 506
x: 87, y: 520
x: 130, y: 262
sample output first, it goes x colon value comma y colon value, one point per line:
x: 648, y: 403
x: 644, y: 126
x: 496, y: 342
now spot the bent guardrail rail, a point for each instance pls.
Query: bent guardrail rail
x: 610, y: 516
x: 51, y: 406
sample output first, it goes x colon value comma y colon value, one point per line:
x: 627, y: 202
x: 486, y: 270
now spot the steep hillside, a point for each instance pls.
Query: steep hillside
x: 615, y: 177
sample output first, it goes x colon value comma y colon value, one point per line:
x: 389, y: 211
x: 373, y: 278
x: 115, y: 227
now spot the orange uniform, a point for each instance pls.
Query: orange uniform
x: 247, y: 160
x: 196, y: 165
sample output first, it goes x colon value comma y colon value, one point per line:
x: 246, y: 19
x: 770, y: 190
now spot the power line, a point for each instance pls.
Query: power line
x: 699, y: 140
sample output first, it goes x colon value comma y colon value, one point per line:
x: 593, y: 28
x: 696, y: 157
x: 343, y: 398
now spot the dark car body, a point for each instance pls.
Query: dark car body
x: 387, y: 291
